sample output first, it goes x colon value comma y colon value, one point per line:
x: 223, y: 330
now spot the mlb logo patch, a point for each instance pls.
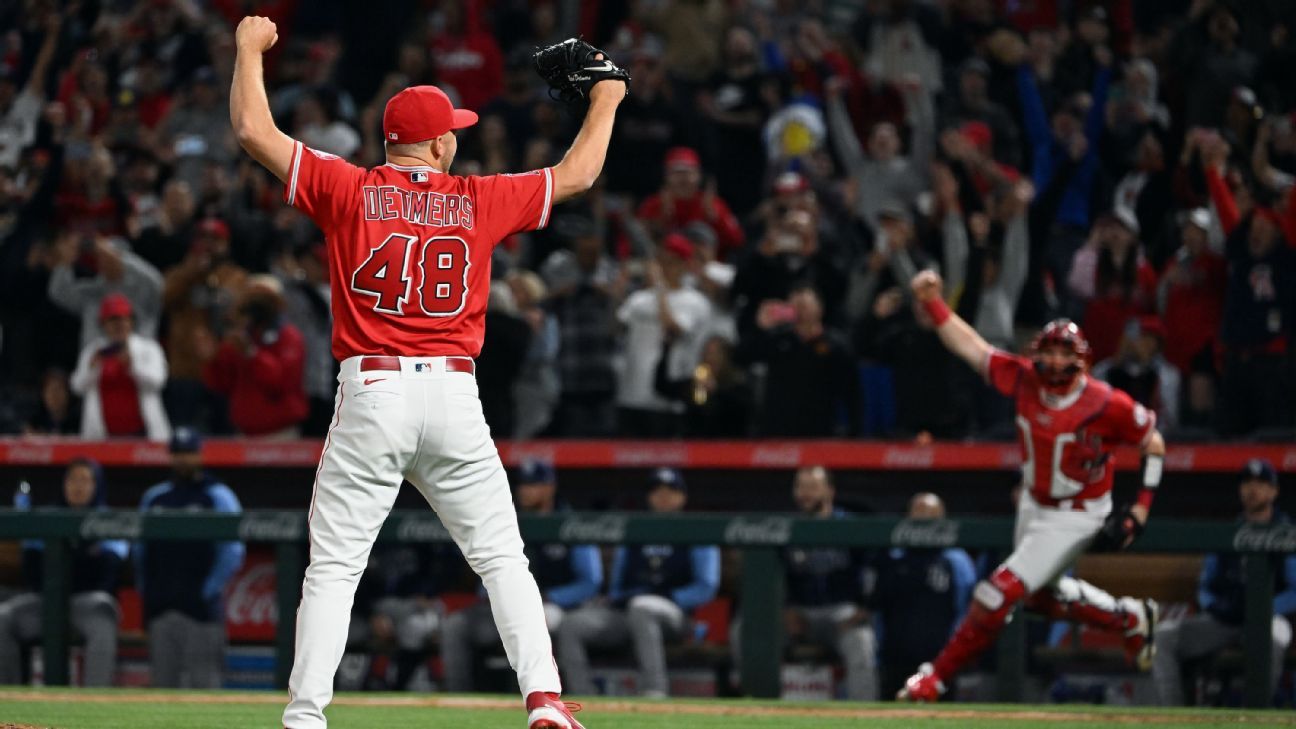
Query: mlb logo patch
x: 418, y: 177
x: 422, y: 367
x: 392, y: 135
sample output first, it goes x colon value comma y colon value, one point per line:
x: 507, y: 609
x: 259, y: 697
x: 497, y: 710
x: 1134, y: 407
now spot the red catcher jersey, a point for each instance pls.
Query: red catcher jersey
x: 1067, y: 451
x: 410, y: 248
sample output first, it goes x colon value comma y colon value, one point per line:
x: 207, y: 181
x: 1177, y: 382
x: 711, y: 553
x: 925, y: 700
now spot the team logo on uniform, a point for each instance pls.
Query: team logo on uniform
x: 322, y: 155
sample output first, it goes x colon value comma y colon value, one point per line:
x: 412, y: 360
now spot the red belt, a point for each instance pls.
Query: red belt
x: 1075, y: 505
x: 452, y: 364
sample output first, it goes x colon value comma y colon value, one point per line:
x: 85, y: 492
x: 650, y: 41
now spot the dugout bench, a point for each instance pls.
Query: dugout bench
x: 759, y: 537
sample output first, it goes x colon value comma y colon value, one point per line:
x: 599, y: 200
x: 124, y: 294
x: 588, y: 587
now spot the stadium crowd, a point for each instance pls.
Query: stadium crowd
x: 776, y: 176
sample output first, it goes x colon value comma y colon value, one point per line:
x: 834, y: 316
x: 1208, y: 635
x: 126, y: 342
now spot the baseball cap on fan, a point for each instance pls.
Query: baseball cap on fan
x: 420, y: 113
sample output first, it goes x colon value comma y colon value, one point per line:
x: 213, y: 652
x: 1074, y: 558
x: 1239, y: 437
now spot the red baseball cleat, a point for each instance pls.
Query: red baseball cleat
x: 1139, y: 648
x: 548, y: 711
x: 922, y: 687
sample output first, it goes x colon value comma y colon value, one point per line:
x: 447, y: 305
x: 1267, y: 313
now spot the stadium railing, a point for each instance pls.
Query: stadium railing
x: 761, y: 538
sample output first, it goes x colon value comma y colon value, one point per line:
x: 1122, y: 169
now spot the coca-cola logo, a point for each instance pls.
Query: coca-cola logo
x: 1180, y: 459
x: 776, y: 456
x: 650, y: 456
x: 151, y: 454
x: 900, y: 457
x: 270, y: 527
x: 773, y: 530
x: 421, y: 529
x: 1251, y: 538
x: 111, y: 525
x: 250, y: 600
x: 31, y: 454
x: 925, y: 533
x: 602, y: 529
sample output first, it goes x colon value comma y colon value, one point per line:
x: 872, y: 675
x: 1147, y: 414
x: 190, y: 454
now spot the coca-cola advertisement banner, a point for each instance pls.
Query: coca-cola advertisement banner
x: 251, y: 614
x: 840, y: 454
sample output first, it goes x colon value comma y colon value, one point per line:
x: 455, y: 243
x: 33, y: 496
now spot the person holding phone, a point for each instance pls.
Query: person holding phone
x: 120, y: 375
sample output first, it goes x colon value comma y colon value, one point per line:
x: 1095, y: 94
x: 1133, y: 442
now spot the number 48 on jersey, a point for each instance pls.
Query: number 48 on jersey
x: 439, y: 280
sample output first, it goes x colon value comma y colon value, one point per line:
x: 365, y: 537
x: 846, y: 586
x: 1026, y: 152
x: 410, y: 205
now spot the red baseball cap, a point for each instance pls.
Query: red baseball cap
x: 214, y: 227
x: 679, y: 246
x: 682, y: 157
x: 114, y: 305
x: 419, y: 113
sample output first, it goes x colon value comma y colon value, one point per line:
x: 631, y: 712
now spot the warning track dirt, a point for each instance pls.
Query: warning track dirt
x: 694, y: 708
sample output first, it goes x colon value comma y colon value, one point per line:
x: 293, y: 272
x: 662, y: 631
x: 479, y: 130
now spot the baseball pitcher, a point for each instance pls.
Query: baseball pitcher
x: 409, y: 250
x: 1068, y: 425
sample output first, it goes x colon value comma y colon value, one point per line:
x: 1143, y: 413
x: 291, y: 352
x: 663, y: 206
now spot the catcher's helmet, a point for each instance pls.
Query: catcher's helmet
x: 1067, y: 335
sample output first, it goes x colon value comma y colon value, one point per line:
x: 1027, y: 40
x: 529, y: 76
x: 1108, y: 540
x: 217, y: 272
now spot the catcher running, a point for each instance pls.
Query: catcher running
x: 409, y: 250
x: 1068, y: 425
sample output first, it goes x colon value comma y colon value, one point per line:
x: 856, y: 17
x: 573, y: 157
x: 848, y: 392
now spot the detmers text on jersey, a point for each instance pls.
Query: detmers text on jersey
x: 388, y: 202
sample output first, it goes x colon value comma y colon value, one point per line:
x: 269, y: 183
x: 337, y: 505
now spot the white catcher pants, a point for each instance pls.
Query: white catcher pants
x: 425, y: 425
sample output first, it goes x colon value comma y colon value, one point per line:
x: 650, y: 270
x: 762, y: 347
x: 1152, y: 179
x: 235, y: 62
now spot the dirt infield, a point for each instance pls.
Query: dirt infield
x: 726, y: 708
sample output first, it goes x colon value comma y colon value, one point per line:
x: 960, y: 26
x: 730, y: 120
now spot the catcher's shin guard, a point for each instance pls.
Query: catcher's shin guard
x: 1078, y: 601
x: 992, y: 603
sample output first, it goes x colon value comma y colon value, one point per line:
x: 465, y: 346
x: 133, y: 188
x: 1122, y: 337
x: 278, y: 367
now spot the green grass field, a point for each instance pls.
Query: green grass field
x: 132, y: 709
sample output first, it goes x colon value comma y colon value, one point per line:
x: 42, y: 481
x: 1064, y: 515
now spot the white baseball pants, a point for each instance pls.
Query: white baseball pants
x: 423, y: 424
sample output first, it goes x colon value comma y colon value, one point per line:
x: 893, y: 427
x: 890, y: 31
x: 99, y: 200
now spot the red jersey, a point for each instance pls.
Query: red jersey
x: 409, y: 248
x: 1067, y: 448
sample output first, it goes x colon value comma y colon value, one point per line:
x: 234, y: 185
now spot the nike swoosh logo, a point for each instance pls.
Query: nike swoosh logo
x: 380, y: 379
x: 607, y: 66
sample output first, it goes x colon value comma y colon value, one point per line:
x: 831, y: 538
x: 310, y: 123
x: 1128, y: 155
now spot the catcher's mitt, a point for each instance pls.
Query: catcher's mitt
x: 1119, y: 527
x: 571, y: 69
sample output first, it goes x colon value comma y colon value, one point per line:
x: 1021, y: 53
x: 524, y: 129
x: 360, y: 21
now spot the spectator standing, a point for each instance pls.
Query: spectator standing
x: 1190, y: 296
x: 736, y: 102
x: 881, y: 174
x: 20, y: 109
x: 972, y: 103
x: 1210, y: 62
x: 811, y: 389
x: 120, y: 375
x: 508, y: 338
x: 1112, y: 280
x: 93, y: 610
x: 161, y: 230
x: 90, y: 268
x: 1221, y: 595
x: 196, y: 132
x: 648, y: 125
x: 717, y: 395
x: 1257, y: 324
x: 306, y: 306
x: 182, y: 583
x: 918, y: 598
x: 585, y: 289
x: 466, y: 56
x: 258, y: 366
x: 197, y: 298
x: 536, y: 390
x: 825, y: 592
x: 653, y: 590
x: 1140, y: 370
x: 568, y: 576
x: 683, y: 199
x: 666, y: 309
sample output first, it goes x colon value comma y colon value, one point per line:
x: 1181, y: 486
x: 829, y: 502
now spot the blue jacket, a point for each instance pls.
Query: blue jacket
x: 1221, y: 588
x: 96, y: 566
x: 1046, y: 152
x: 919, y: 598
x: 187, y: 576
x: 690, y: 577
x: 567, y: 575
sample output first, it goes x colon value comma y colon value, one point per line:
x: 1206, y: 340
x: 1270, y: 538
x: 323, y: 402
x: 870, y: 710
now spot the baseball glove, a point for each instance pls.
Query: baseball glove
x: 1119, y: 527
x: 571, y: 69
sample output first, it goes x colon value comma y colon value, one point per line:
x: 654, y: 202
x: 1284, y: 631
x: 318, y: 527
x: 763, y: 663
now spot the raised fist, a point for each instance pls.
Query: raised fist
x: 256, y: 34
x: 926, y: 285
